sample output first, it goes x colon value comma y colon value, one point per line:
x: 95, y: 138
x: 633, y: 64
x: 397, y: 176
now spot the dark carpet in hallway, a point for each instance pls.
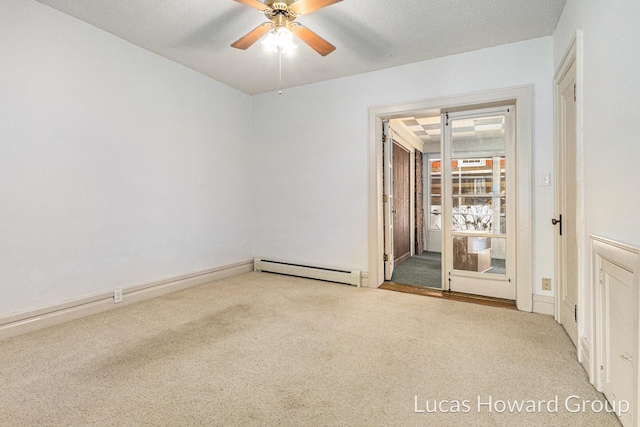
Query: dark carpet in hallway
x: 426, y: 270
x: 420, y: 270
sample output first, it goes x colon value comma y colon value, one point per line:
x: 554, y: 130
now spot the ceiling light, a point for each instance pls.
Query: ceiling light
x: 280, y: 40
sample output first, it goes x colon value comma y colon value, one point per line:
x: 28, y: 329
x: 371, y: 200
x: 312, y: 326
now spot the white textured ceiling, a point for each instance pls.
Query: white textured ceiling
x: 368, y: 34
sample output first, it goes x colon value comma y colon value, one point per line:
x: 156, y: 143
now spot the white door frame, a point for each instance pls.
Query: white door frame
x: 521, y: 97
x: 585, y: 296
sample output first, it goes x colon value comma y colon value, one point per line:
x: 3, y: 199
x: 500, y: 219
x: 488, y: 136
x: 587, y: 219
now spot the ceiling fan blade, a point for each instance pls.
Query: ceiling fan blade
x: 253, y: 36
x: 314, y: 41
x: 304, y: 7
x: 253, y: 3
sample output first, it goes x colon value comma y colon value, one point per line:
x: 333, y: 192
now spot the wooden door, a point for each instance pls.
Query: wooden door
x: 566, y: 213
x: 401, y: 204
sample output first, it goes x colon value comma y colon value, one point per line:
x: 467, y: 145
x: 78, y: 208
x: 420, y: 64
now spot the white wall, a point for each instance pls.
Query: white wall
x: 117, y: 167
x: 611, y: 94
x: 312, y: 161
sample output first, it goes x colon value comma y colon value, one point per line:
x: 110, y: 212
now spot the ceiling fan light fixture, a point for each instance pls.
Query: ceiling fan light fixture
x: 269, y: 42
x: 279, y: 39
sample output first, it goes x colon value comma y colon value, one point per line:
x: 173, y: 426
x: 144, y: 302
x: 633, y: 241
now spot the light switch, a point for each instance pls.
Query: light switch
x: 545, y: 179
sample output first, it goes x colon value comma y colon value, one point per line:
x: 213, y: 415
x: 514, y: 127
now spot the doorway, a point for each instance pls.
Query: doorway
x: 521, y: 244
x: 469, y: 200
x: 414, y: 263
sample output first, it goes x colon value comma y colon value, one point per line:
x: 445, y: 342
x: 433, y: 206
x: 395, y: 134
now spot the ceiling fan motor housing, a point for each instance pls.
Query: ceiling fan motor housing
x: 275, y: 4
x: 280, y: 13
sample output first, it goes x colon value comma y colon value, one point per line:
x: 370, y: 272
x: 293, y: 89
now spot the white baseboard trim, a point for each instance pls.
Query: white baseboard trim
x: 365, y: 279
x: 22, y: 323
x: 543, y: 304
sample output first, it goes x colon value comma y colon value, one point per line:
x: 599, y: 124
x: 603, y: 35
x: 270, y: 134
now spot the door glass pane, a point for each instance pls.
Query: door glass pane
x: 471, y: 253
x: 479, y: 195
x: 498, y: 256
x: 482, y: 175
x: 479, y: 254
x: 480, y: 134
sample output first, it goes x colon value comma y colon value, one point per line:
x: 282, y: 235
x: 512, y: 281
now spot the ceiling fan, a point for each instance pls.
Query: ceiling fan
x: 282, y: 14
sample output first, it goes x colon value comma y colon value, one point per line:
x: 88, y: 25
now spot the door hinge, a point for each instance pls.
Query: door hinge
x: 601, y: 373
x: 385, y: 198
x: 446, y: 119
x: 575, y: 90
x: 575, y: 313
x: 384, y: 137
x: 601, y: 277
x: 385, y: 257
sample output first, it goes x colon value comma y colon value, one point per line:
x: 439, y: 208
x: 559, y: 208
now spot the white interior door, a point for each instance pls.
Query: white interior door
x: 387, y: 198
x: 479, y: 202
x: 566, y: 202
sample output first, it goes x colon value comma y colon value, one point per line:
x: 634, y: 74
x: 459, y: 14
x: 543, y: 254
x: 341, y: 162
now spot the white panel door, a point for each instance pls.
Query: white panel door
x: 566, y: 213
x: 387, y: 178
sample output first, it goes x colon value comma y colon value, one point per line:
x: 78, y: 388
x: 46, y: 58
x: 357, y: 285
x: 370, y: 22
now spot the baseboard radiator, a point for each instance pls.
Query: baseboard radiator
x: 311, y: 272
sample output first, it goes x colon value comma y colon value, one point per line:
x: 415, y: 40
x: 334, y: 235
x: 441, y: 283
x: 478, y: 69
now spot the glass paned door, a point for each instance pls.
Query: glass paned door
x: 478, y: 200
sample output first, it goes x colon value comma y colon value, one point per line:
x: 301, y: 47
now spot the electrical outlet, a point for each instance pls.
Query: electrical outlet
x: 117, y: 296
x: 546, y: 284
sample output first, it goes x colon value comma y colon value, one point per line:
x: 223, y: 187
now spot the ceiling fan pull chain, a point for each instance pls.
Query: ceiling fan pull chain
x: 279, y: 71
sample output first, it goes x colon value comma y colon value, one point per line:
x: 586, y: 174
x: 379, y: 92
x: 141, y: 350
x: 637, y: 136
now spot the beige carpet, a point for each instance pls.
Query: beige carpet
x: 262, y: 349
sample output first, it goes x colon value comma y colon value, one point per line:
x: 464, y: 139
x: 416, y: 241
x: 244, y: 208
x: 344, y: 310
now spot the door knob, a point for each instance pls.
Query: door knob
x: 558, y: 221
x: 394, y: 211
